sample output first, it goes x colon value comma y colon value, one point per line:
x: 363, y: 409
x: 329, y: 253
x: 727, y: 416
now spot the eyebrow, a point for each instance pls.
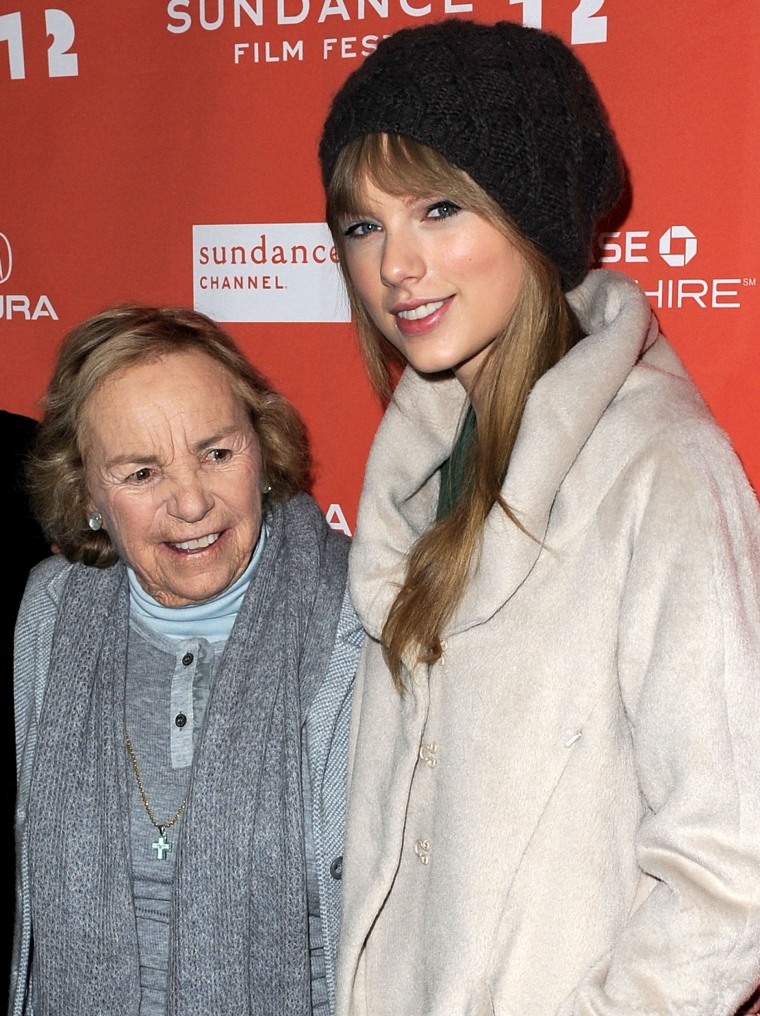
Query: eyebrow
x: 213, y: 439
x: 130, y: 458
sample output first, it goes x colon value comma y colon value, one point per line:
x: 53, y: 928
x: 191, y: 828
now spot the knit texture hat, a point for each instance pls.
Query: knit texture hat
x: 511, y: 106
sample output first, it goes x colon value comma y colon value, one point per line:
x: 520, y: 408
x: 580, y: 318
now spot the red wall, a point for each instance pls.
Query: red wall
x: 125, y: 128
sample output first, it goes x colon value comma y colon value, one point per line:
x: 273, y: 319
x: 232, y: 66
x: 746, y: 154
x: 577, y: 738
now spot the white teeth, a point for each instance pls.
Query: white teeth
x: 204, y: 541
x: 420, y: 312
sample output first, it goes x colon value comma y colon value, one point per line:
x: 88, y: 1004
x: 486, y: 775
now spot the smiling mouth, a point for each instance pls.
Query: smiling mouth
x: 420, y: 312
x: 200, y: 544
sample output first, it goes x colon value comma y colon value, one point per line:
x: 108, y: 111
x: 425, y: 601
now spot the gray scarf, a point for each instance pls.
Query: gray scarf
x: 239, y: 924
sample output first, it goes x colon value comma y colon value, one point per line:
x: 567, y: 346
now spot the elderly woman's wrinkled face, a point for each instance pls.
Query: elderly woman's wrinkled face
x: 173, y: 465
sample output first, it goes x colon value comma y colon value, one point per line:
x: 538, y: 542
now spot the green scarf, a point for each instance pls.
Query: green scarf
x: 453, y: 469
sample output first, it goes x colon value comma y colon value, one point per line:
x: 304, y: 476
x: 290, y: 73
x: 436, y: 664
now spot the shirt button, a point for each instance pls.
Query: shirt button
x: 336, y: 869
x: 180, y: 720
x: 187, y: 659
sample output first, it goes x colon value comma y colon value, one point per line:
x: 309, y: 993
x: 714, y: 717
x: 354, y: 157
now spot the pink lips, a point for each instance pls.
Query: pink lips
x: 412, y: 326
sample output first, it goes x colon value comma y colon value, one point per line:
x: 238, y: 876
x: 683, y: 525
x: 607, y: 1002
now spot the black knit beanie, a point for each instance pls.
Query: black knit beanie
x: 511, y: 106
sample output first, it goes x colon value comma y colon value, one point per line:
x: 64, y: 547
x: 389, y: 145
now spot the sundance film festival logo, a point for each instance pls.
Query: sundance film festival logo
x: 274, y: 272
x: 19, y: 306
x: 586, y: 22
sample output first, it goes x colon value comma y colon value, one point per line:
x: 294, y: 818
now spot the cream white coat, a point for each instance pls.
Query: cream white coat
x: 562, y: 818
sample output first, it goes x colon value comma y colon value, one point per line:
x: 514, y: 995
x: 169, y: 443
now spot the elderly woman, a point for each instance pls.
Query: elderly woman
x: 183, y: 672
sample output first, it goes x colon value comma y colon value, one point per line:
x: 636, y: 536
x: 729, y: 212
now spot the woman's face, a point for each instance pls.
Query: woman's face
x: 172, y: 464
x: 439, y: 281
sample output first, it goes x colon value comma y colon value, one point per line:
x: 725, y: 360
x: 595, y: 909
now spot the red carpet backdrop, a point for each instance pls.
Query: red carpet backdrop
x: 165, y: 151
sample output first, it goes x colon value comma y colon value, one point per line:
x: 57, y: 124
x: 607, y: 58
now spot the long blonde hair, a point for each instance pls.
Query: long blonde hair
x: 540, y: 330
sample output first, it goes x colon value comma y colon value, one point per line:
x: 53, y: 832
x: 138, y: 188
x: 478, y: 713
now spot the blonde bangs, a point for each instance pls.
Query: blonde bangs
x: 401, y: 167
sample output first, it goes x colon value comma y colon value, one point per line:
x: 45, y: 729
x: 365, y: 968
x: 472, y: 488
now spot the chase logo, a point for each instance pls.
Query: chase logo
x: 678, y: 253
x: 6, y: 258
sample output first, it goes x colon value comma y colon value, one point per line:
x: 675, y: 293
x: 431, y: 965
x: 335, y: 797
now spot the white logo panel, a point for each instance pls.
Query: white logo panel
x: 273, y: 272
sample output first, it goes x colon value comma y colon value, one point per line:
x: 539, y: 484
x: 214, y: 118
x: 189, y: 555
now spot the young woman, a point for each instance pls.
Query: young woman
x: 554, y: 782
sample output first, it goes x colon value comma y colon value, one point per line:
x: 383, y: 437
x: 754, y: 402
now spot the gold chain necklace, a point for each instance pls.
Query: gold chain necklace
x: 162, y: 846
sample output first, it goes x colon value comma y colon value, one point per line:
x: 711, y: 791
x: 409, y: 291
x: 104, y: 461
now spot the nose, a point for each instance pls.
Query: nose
x: 402, y: 258
x: 190, y: 498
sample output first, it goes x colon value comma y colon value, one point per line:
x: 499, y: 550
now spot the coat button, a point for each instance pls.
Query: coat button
x: 422, y: 850
x: 180, y: 720
x: 187, y: 659
x: 336, y: 869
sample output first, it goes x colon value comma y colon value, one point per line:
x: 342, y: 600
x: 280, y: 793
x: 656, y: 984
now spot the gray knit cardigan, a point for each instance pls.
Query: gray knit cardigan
x: 325, y: 734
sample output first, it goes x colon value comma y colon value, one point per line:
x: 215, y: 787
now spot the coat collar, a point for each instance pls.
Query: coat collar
x: 417, y: 432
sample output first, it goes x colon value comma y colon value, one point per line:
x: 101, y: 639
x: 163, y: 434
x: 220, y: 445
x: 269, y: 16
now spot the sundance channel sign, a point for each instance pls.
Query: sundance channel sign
x: 275, y: 272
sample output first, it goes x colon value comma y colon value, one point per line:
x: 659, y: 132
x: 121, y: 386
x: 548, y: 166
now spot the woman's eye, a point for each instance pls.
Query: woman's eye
x: 140, y: 475
x: 359, y: 229
x: 219, y: 454
x: 443, y: 210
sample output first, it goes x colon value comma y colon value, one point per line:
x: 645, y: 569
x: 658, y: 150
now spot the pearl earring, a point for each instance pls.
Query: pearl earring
x: 95, y: 520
